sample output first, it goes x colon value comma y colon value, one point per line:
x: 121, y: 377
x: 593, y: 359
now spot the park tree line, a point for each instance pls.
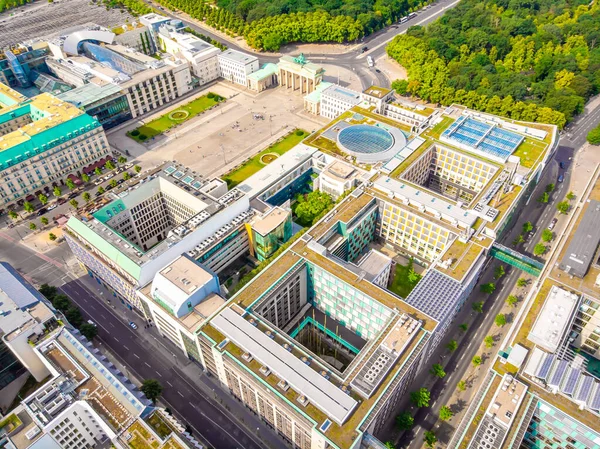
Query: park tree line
x: 532, y: 60
x: 268, y: 25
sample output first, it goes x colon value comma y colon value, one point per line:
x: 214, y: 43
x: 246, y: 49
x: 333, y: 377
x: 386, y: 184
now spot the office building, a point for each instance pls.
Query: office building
x: 335, y: 100
x: 86, y: 403
x: 269, y: 231
x: 201, y: 56
x: 21, y: 62
x: 42, y: 141
x: 235, y: 66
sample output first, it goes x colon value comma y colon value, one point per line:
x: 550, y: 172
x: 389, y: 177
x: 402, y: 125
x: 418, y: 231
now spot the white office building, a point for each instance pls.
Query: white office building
x: 236, y: 66
x: 335, y: 100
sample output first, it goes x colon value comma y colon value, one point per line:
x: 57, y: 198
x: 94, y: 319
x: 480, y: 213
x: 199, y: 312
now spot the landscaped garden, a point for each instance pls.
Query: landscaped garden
x: 175, y: 117
x: 405, y: 279
x: 265, y: 157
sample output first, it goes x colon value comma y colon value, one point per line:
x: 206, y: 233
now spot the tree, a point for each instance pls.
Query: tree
x: 438, y: 371
x: 308, y: 208
x: 109, y: 165
x: 43, y: 198
x: 570, y: 196
x: 547, y: 235
x: 86, y: 197
x: 499, y: 272
x: 489, y: 341
x: 593, y: 137
x: 137, y: 168
x: 522, y: 282
x: 500, y: 320
x: 52, y: 236
x: 518, y: 240
x: 477, y: 361
x: 539, y: 249
x: 463, y: 327
x: 74, y: 203
x: 477, y: 306
x: 126, y: 176
x: 98, y: 171
x: 429, y: 438
x: 452, y: 345
x: 32, y: 226
x: 85, y: 177
x: 563, y: 207
x: 549, y: 188
x: 421, y: 397
x: 61, y: 302
x: 70, y: 183
x: 12, y: 214
x: 122, y: 159
x: 389, y: 445
x: 400, y: 86
x: 404, y: 421
x: 462, y: 385
x: 73, y: 314
x: 49, y: 291
x: 113, y: 183
x: 28, y: 207
x: 527, y: 227
x: 152, y: 389
x: 445, y: 413
x: 88, y: 330
x: 56, y: 191
x: 488, y: 288
x: 44, y: 221
x: 512, y: 300
x: 544, y: 198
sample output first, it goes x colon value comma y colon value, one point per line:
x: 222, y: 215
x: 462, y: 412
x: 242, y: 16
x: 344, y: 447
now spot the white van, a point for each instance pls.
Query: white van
x: 370, y: 61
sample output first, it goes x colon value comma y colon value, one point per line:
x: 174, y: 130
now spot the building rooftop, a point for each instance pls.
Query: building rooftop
x: 267, y: 69
x: 554, y: 319
x: 270, y: 221
x: 185, y: 275
x: 52, y: 121
x: 238, y: 57
x: 373, y: 263
x: 88, y: 94
x: 315, y: 95
x: 301, y: 64
x: 584, y: 243
x: 376, y: 91
x: 436, y: 294
x: 10, y: 97
x: 342, y: 94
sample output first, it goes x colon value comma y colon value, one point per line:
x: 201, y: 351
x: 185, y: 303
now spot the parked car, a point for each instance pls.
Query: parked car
x: 561, y: 178
x: 132, y: 325
x: 552, y: 224
x: 562, y: 165
x: 62, y: 201
x: 52, y: 206
x: 73, y: 195
x: 42, y: 211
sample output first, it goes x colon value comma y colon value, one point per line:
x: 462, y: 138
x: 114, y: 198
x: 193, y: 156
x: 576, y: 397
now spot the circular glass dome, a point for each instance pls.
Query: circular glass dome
x: 365, y: 139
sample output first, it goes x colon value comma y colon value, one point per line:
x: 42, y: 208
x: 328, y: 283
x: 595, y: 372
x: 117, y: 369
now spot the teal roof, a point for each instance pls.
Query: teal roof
x: 110, y: 210
x: 46, y: 139
x: 266, y: 70
x: 6, y: 100
x: 105, y: 247
x: 315, y: 95
x: 6, y: 115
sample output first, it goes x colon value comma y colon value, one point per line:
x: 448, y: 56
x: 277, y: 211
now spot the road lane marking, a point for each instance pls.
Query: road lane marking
x: 179, y: 392
x: 146, y: 363
x: 116, y: 338
x: 158, y: 373
x: 170, y: 384
x: 126, y: 347
x: 112, y: 324
x: 135, y: 355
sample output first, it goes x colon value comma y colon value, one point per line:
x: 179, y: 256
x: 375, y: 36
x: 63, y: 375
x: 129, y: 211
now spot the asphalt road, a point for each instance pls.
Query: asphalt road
x: 352, y: 59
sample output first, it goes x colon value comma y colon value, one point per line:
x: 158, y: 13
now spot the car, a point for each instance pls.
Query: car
x: 11, y: 225
x: 41, y: 212
x: 404, y: 19
x: 97, y: 182
x: 552, y: 224
x: 53, y: 206
x: 62, y: 201
x: 97, y: 193
x: 365, y: 48
x: 378, y: 71
x: 91, y: 322
x: 132, y: 325
x: 561, y: 178
x: 120, y: 181
x: 562, y: 165
x: 73, y: 195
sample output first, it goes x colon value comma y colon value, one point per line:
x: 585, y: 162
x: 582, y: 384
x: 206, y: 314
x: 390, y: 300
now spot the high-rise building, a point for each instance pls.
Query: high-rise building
x: 42, y: 141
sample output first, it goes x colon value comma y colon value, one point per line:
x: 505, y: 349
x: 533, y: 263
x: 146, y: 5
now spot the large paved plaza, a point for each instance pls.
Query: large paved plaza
x: 226, y: 135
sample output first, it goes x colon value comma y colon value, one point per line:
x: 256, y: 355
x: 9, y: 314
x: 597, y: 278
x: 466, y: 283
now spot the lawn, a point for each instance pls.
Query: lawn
x: 401, y: 285
x: 159, y: 425
x: 253, y: 165
x: 438, y: 129
x: 175, y: 117
x: 529, y: 151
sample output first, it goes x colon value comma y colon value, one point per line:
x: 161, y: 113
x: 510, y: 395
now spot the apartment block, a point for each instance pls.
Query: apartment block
x: 42, y: 141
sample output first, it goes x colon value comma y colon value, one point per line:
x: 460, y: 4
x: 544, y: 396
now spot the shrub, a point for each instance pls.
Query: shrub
x: 142, y: 137
x: 210, y: 95
x: 135, y: 132
x: 299, y: 132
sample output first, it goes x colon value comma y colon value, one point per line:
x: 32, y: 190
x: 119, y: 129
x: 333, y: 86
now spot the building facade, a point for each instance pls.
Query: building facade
x: 235, y: 66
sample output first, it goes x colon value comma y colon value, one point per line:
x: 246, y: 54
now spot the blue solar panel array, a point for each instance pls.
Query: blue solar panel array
x: 569, y: 387
x: 545, y: 367
x: 585, y: 388
x: 595, y: 403
x: 559, y: 372
x: 487, y: 138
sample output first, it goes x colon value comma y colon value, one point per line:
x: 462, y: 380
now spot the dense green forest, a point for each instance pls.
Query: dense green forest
x: 268, y: 25
x: 7, y: 4
x: 536, y: 60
